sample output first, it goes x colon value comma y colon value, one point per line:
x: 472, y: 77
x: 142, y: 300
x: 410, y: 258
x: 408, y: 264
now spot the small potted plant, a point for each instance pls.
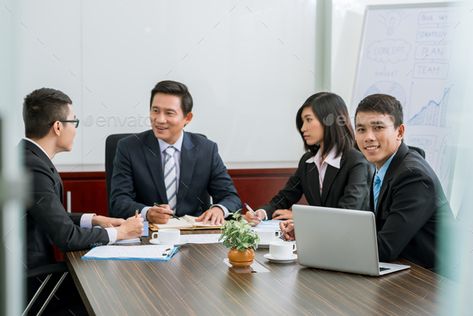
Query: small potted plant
x: 241, y: 239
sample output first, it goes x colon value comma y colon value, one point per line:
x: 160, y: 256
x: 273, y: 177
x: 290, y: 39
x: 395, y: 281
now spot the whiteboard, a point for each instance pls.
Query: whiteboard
x: 406, y: 51
x: 248, y: 65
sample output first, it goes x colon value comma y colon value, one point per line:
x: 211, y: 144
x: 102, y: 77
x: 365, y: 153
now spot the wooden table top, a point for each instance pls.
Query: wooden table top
x: 197, y: 282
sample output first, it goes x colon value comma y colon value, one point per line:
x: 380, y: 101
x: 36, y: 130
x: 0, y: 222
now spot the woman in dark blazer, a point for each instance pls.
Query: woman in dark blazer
x: 332, y: 172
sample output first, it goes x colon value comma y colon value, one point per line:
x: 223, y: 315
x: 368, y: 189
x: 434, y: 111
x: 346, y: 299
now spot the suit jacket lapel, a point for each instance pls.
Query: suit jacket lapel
x: 398, y: 158
x: 329, y: 177
x: 188, y: 152
x: 312, y: 179
x: 152, y: 154
x: 58, y: 186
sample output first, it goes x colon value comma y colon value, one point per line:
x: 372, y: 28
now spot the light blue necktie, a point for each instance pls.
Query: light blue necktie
x: 170, y: 176
x: 376, y: 189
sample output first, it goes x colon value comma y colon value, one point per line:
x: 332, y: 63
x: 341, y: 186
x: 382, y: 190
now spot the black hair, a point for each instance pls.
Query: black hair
x: 174, y: 88
x: 384, y: 104
x: 332, y: 113
x: 43, y: 107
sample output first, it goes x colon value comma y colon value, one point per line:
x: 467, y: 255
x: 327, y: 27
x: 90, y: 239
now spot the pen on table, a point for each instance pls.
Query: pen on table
x: 172, y: 215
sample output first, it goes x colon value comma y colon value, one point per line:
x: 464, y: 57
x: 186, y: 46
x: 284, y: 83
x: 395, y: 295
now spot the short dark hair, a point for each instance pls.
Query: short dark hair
x: 384, y: 104
x: 174, y: 88
x: 332, y: 113
x: 43, y: 107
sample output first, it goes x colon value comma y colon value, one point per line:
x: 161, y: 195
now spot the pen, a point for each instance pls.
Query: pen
x: 172, y: 215
x: 250, y: 209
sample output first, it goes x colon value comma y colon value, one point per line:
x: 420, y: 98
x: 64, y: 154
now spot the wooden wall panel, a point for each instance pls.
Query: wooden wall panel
x: 255, y: 186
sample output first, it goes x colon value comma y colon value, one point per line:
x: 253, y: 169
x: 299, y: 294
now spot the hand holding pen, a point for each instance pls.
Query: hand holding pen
x: 160, y: 213
x: 173, y: 214
x: 253, y: 217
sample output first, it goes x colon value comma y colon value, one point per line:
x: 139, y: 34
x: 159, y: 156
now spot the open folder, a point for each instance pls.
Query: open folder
x: 185, y: 222
x: 141, y: 252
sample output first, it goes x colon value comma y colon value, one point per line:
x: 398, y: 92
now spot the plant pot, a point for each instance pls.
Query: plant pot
x: 241, y: 259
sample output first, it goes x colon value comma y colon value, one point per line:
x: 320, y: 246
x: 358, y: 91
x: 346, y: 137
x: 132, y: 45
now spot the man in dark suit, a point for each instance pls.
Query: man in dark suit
x: 50, y: 128
x: 165, y: 171
x: 407, y: 196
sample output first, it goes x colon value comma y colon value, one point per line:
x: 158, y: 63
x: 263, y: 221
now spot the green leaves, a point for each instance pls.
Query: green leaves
x: 237, y: 233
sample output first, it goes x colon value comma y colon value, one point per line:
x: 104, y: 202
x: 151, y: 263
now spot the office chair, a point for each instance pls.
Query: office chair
x: 110, y: 150
x: 419, y: 150
x: 45, y: 273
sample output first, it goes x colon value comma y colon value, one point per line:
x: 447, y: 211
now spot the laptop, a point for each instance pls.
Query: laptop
x: 339, y: 239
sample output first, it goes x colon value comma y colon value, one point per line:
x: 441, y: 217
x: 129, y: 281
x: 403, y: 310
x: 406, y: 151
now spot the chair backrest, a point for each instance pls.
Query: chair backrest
x: 419, y: 150
x: 110, y: 151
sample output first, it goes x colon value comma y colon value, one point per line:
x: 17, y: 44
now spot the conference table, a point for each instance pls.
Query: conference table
x: 196, y: 281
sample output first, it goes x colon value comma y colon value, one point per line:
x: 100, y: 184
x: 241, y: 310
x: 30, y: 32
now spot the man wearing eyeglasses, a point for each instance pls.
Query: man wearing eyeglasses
x: 50, y: 128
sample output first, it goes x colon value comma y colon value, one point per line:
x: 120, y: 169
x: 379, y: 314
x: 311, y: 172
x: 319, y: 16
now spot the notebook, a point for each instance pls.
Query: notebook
x: 185, y: 222
x: 339, y: 239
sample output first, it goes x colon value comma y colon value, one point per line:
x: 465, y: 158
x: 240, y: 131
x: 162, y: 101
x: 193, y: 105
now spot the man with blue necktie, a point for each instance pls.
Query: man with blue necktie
x: 165, y: 171
x: 407, y: 196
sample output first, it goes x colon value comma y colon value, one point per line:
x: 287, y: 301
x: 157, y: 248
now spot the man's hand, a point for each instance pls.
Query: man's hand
x: 254, y: 218
x: 104, y: 221
x: 159, y: 214
x: 287, y: 230
x: 282, y: 214
x: 213, y: 216
x: 131, y: 228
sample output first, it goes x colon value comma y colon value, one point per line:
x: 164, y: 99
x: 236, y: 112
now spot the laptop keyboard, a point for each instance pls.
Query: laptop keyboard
x: 383, y: 269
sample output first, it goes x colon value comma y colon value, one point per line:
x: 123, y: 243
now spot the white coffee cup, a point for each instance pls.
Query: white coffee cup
x: 267, y: 235
x: 168, y: 236
x: 282, y: 249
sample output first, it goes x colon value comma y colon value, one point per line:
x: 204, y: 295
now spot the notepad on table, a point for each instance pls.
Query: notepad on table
x: 141, y: 252
x: 185, y: 222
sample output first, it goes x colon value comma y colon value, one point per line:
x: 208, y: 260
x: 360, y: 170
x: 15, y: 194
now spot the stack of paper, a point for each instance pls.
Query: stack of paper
x: 184, y: 222
x: 141, y: 252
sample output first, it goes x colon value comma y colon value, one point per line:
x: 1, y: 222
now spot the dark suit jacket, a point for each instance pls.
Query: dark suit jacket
x: 47, y: 221
x: 411, y: 205
x: 347, y: 187
x: 138, y: 181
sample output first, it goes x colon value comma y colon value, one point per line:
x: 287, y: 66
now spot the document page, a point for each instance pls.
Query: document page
x: 141, y: 252
x: 200, y: 239
x: 184, y: 222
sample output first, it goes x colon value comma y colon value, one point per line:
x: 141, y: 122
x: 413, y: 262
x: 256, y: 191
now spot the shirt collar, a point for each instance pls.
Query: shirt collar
x: 331, y: 158
x: 177, y: 145
x: 384, y: 168
x: 37, y: 145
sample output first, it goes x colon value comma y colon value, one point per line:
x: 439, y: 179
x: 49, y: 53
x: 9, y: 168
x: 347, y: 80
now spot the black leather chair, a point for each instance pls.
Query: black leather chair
x: 110, y: 150
x: 44, y: 275
x: 419, y: 150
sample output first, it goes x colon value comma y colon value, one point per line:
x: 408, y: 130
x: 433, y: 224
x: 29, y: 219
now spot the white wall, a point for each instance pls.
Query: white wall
x: 248, y: 64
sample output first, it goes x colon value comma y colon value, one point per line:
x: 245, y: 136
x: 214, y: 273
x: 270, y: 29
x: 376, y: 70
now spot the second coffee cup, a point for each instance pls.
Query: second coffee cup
x: 169, y: 236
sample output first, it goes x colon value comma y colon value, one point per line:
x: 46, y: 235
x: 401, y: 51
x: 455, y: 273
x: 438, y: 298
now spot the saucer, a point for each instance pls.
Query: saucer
x: 155, y: 241
x: 277, y: 260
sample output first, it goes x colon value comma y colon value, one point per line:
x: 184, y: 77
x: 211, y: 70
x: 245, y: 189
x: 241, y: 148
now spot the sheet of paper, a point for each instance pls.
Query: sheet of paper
x: 175, y: 223
x: 200, y: 239
x: 192, y: 220
x: 269, y: 225
x: 127, y: 241
x: 184, y: 222
x: 141, y: 252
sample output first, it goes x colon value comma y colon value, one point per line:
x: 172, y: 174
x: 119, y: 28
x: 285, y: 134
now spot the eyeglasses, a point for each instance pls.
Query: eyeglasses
x: 76, y: 122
